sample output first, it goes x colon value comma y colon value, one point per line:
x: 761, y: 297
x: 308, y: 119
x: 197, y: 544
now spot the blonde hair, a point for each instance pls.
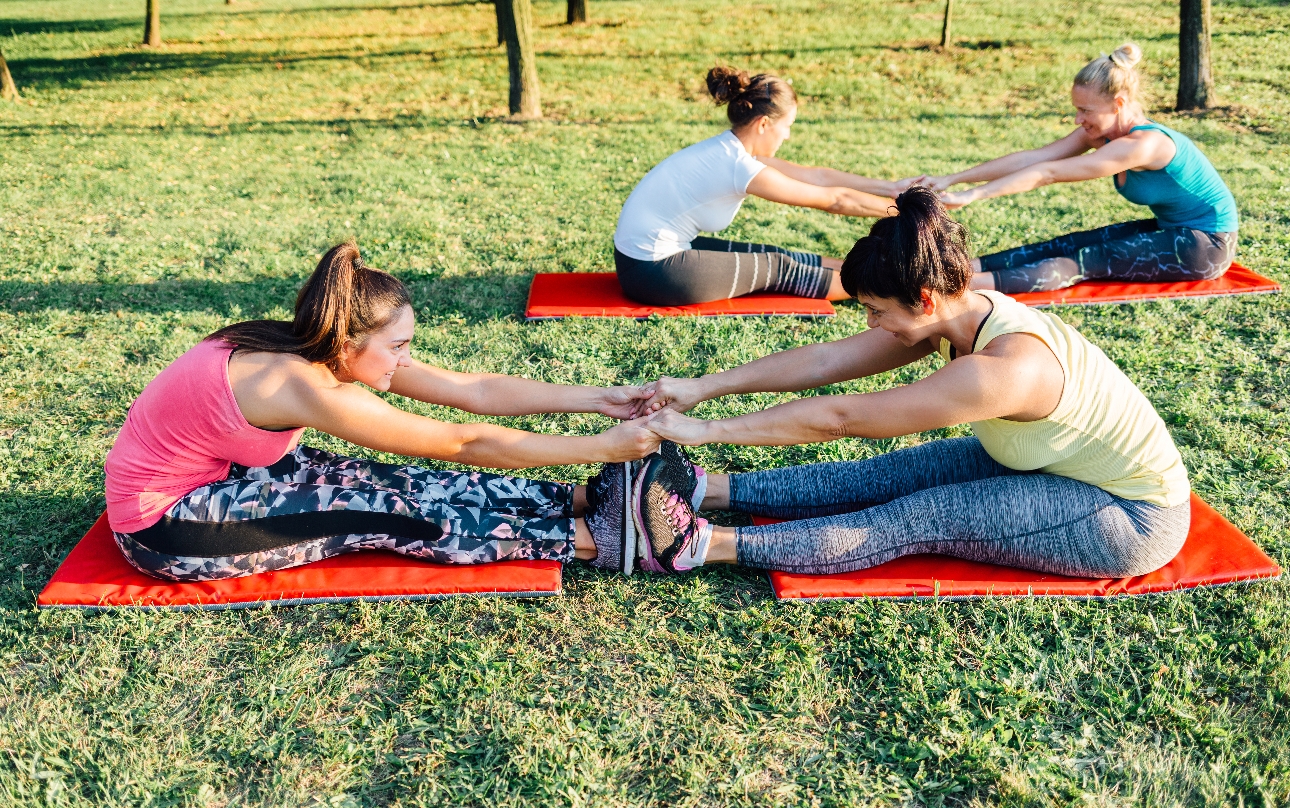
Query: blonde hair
x: 1113, y: 75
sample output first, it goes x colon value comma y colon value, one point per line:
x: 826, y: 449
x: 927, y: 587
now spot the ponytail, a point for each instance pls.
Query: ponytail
x: 343, y: 301
x: 919, y: 248
x: 750, y: 97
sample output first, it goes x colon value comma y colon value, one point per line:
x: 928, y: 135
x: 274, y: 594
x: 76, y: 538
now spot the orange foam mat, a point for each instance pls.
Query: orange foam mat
x: 96, y: 575
x: 553, y: 296
x: 1238, y: 280
x: 1215, y: 553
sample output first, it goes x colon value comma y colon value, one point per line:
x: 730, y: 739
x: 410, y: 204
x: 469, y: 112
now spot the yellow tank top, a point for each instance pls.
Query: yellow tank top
x: 1103, y: 432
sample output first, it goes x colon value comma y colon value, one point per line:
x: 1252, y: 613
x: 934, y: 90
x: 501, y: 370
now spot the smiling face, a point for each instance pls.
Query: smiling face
x: 385, y: 351
x: 766, y: 135
x: 910, y: 326
x: 1099, y: 115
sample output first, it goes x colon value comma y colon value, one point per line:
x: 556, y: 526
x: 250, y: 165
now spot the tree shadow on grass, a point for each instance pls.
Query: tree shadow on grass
x: 75, y: 72
x: 89, y: 26
x: 473, y: 298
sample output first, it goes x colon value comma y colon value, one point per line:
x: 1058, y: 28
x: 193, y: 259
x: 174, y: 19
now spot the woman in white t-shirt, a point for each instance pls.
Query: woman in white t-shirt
x: 660, y: 256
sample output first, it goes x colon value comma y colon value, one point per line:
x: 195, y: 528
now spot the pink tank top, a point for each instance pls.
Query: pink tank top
x: 181, y: 433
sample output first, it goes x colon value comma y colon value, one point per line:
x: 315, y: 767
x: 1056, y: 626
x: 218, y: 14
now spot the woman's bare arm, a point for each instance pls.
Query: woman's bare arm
x: 1136, y: 150
x: 1017, y: 377
x: 775, y: 186
x: 1075, y: 143
x: 805, y: 368
x: 832, y: 177
x: 495, y: 394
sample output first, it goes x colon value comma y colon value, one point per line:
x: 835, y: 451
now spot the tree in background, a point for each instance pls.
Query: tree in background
x: 515, y: 20
x: 8, y: 90
x: 1195, y: 76
x: 945, y: 25
x: 500, y: 7
x: 152, y: 24
x: 577, y: 11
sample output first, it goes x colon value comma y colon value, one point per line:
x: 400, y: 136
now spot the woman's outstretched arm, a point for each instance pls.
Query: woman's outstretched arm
x: 776, y: 186
x: 1016, y: 377
x: 1137, y: 150
x: 354, y: 414
x: 805, y: 368
x: 832, y: 177
x: 496, y: 394
x: 1075, y: 143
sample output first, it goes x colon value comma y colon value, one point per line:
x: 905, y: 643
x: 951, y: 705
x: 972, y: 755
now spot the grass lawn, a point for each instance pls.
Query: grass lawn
x: 149, y: 196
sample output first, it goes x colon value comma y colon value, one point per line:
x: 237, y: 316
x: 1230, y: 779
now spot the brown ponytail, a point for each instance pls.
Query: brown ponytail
x: 343, y: 301
x: 750, y: 97
x: 919, y: 248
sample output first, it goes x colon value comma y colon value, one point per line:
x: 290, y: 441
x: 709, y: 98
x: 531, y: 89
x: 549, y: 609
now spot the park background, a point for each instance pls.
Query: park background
x: 149, y: 196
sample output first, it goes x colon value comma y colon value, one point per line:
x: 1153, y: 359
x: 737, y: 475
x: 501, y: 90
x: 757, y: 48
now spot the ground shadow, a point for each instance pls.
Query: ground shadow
x: 148, y: 65
x: 31, y: 26
x: 473, y: 297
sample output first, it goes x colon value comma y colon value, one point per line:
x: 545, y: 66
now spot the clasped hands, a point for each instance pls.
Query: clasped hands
x: 940, y: 183
x: 651, y: 413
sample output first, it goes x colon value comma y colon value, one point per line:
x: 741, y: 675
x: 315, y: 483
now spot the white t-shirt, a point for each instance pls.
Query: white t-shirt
x: 698, y: 189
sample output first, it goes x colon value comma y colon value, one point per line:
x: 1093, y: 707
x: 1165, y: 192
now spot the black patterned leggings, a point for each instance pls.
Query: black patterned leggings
x: 1135, y: 252
x: 718, y: 269
x: 312, y: 505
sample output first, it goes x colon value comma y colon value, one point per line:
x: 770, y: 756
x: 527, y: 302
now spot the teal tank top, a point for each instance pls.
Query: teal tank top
x: 1186, y: 193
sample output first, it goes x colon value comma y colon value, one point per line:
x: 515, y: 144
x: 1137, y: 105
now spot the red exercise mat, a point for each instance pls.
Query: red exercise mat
x: 96, y: 575
x: 1215, y: 553
x: 1236, y: 281
x: 597, y: 294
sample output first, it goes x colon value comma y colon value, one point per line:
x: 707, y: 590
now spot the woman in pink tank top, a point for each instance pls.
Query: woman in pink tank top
x: 208, y: 480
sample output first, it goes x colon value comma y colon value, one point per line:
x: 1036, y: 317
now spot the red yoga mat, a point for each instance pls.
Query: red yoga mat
x: 553, y: 296
x: 1238, y: 280
x: 1215, y: 553
x: 96, y: 575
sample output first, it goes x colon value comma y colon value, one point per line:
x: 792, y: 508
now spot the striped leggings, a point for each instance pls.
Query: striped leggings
x: 718, y: 269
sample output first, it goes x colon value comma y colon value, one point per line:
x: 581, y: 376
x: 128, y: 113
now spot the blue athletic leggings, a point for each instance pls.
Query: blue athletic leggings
x: 1135, y: 252
x: 948, y: 497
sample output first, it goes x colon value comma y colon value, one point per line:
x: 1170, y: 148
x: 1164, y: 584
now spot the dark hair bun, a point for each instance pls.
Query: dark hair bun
x: 725, y: 84
x: 919, y: 248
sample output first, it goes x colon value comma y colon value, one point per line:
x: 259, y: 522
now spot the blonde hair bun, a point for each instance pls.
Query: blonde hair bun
x: 1126, y: 56
x: 1113, y: 75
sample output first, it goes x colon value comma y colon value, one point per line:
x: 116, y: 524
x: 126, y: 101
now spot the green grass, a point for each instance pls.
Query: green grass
x: 148, y: 197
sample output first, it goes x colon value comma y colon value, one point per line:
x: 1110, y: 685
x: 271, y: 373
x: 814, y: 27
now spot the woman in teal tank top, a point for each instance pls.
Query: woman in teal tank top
x: 1192, y: 235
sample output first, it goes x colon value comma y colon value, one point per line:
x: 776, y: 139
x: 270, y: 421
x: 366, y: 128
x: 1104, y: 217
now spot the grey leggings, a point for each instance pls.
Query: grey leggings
x: 717, y: 269
x: 1136, y: 252
x: 949, y: 497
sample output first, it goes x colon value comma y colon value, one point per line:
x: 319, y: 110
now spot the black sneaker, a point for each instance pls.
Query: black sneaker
x: 609, y: 518
x: 664, y: 516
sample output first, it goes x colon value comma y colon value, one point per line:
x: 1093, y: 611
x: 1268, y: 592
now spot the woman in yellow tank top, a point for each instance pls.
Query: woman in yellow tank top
x: 1070, y: 469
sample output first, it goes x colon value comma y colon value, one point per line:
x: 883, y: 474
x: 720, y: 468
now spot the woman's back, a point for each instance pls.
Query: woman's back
x: 1186, y: 193
x: 698, y: 189
x: 181, y: 433
x: 1103, y: 432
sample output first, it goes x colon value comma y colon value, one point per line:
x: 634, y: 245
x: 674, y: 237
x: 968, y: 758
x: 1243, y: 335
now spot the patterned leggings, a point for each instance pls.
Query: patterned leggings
x: 312, y: 505
x: 948, y: 496
x: 717, y: 269
x: 1137, y: 252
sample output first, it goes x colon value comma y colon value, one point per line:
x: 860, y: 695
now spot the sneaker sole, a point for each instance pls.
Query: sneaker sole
x: 629, y: 524
x: 645, y: 548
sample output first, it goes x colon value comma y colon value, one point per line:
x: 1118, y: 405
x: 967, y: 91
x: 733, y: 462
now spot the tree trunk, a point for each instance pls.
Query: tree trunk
x: 1195, y: 78
x: 945, y: 26
x: 152, y: 24
x: 577, y: 11
x: 501, y: 8
x: 517, y: 16
x: 8, y: 90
